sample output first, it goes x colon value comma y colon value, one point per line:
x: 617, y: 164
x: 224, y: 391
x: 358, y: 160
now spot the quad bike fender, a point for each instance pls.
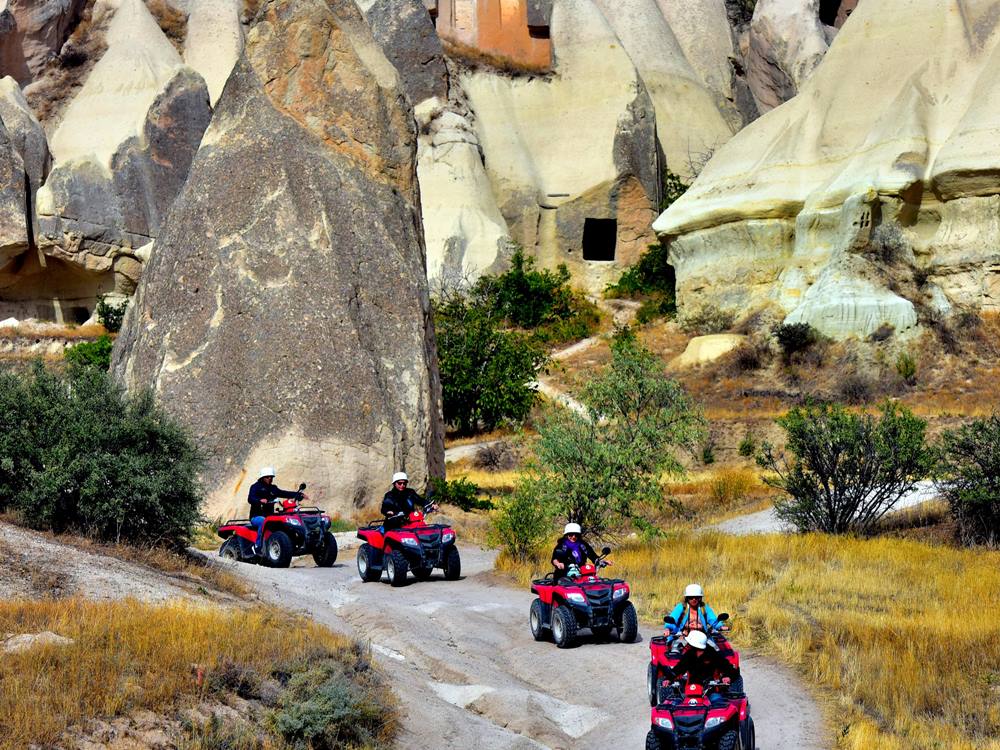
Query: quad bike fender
x: 544, y: 593
x: 247, y: 533
x: 734, y: 659
x: 372, y: 537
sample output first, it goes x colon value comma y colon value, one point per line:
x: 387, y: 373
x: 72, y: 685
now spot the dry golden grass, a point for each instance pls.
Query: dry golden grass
x: 128, y: 655
x: 53, y: 331
x: 902, y: 635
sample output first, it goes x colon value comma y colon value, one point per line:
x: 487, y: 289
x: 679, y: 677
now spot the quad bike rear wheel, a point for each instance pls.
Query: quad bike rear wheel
x: 230, y: 549
x: 563, y: 627
x: 748, y: 734
x: 422, y: 573
x: 652, y: 684
x: 396, y: 567
x: 326, y: 555
x: 628, y: 631
x: 278, y: 550
x: 652, y: 741
x: 366, y: 568
x: 452, y: 564
x: 730, y: 740
x: 536, y: 619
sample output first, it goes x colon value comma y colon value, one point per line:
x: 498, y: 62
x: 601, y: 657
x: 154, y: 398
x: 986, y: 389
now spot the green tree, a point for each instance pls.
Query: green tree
x: 602, y: 469
x: 847, y: 470
x: 96, y: 353
x: 521, y: 521
x: 970, y: 463
x: 487, y: 372
x: 78, y: 453
x: 525, y: 296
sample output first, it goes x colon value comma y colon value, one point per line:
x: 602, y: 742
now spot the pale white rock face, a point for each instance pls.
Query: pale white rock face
x: 688, y: 119
x: 214, y: 41
x: 117, y: 94
x: 464, y: 231
x: 907, y: 137
x: 703, y: 32
x: 562, y: 148
x: 703, y: 349
x: 787, y: 42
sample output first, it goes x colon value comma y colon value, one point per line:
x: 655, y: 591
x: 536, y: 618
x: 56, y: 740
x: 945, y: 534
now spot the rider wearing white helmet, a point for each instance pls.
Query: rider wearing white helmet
x: 262, y: 495
x: 692, y: 614
x: 400, y: 499
x: 702, y: 664
x: 572, y: 549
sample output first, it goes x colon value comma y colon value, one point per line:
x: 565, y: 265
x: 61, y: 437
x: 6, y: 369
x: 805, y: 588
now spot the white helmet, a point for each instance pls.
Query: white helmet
x: 572, y: 528
x: 697, y: 639
x: 267, y: 471
x: 693, y: 589
x: 400, y: 476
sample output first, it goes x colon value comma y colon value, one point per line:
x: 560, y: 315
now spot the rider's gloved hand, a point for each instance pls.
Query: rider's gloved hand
x: 726, y: 681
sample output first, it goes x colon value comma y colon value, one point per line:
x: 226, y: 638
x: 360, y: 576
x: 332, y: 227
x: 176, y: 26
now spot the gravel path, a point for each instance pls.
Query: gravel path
x: 766, y: 522
x: 469, y: 674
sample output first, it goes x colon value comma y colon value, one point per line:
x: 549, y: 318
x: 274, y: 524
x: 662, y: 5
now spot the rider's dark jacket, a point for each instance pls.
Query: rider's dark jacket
x: 400, y: 501
x: 262, y: 497
x: 702, y: 666
x: 564, y: 553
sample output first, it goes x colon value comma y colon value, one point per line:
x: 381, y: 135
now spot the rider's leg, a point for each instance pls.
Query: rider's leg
x: 258, y: 522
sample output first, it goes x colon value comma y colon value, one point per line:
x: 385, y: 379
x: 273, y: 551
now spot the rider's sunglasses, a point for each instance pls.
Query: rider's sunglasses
x: 571, y: 536
x: 401, y: 481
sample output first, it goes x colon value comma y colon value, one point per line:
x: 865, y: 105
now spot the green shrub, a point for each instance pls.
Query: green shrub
x: 848, y: 470
x: 708, y: 450
x: 96, y: 354
x: 486, y: 371
x: 971, y: 466
x: 706, y: 320
x: 906, y: 367
x: 522, y: 521
x: 77, y: 452
x: 109, y: 315
x: 652, y: 280
x: 748, y: 445
x: 458, y: 492
x: 526, y: 297
x: 673, y: 188
x: 794, y: 338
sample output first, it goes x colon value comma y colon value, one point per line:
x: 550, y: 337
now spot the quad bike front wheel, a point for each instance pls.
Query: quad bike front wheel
x: 230, y: 549
x: 366, y: 568
x: 652, y: 684
x: 748, y: 734
x: 535, y: 617
x: 628, y: 631
x: 452, y: 564
x: 278, y: 550
x: 652, y: 741
x: 326, y: 554
x: 396, y: 567
x: 730, y: 740
x: 563, y: 627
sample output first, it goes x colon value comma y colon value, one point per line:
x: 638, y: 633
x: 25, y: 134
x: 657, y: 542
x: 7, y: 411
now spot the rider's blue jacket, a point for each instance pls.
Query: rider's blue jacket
x: 706, y: 615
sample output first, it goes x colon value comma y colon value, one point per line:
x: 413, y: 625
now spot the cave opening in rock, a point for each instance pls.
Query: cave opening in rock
x: 828, y: 10
x: 78, y: 315
x: 538, y: 32
x: 600, y: 236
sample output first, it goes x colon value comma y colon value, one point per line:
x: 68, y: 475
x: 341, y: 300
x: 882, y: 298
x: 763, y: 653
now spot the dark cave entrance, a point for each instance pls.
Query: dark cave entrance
x: 600, y: 237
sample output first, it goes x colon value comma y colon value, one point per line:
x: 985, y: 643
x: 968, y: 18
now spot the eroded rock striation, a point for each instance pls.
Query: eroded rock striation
x: 796, y: 210
x: 284, y: 314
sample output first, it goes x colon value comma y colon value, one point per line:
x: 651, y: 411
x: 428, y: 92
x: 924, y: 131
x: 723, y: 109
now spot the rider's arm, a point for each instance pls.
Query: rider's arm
x: 724, y: 667
x: 588, y: 551
x: 388, y: 505
x: 558, y: 554
x: 676, y: 613
x: 289, y: 494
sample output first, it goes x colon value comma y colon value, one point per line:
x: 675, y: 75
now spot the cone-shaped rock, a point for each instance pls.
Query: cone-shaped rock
x: 284, y: 314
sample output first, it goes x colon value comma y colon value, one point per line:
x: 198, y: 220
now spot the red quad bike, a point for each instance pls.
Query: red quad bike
x: 691, y: 721
x: 566, y: 604
x: 289, y: 532
x: 658, y: 687
x: 416, y: 546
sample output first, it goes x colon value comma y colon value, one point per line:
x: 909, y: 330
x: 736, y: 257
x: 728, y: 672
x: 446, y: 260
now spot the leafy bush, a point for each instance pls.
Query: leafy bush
x: 526, y: 297
x: 603, y: 469
x: 749, y: 356
x: 748, y: 445
x: 708, y: 450
x: 848, y: 470
x: 522, y: 520
x: 652, y: 279
x: 906, y: 367
x: 706, y: 320
x: 325, y: 707
x: 856, y: 389
x: 731, y: 485
x: 794, y: 338
x: 486, y: 371
x: 77, y: 452
x: 673, y: 188
x: 96, y: 354
x: 459, y: 492
x: 111, y: 316
x: 971, y: 465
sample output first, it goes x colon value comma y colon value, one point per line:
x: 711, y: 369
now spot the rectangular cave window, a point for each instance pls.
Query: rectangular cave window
x: 538, y: 32
x: 599, y: 239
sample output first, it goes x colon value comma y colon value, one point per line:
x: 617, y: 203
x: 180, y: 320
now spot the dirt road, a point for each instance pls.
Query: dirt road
x: 469, y: 674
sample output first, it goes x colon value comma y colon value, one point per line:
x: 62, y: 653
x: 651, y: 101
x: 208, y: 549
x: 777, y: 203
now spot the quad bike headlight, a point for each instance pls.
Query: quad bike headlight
x: 294, y: 521
x: 445, y: 538
x: 664, y: 722
x: 619, y: 593
x: 713, y: 722
x: 578, y: 598
x: 410, y: 541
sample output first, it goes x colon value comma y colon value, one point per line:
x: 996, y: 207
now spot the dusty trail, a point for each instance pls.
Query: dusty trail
x: 469, y: 674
